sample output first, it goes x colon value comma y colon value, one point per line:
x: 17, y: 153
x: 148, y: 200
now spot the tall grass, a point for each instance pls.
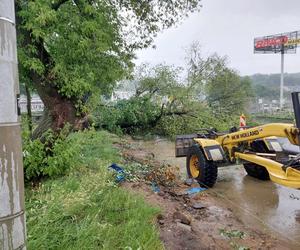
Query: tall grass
x: 85, y: 209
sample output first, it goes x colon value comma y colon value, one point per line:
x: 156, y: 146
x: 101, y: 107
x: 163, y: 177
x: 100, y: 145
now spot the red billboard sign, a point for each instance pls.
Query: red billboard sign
x: 286, y: 42
x: 268, y: 42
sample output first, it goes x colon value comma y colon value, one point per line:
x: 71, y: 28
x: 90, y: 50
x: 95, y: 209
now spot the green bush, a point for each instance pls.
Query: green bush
x: 52, y: 157
x: 137, y: 113
x: 34, y: 159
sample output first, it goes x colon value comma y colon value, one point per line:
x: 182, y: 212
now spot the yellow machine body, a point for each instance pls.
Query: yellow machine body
x: 228, y: 144
x: 289, y: 177
x: 258, y: 148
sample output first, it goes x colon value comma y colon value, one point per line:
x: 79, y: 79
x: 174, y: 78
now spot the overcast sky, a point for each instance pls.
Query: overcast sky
x: 228, y: 28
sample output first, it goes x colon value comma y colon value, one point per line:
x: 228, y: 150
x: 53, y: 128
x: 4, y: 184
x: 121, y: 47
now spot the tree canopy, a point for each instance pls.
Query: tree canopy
x: 71, y: 49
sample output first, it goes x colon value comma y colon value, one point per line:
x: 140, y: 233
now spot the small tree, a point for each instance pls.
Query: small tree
x: 228, y: 93
x: 215, y: 83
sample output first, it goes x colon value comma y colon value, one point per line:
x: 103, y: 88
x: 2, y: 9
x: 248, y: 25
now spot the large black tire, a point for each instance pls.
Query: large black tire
x: 199, y: 168
x: 254, y: 170
x: 257, y: 171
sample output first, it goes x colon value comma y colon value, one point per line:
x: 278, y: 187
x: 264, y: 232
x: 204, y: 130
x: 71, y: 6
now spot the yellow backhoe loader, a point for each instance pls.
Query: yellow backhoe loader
x: 257, y: 148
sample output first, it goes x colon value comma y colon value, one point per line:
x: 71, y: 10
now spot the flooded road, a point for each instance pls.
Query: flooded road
x: 262, y: 204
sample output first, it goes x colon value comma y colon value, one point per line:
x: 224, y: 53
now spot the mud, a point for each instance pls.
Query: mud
x: 266, y: 213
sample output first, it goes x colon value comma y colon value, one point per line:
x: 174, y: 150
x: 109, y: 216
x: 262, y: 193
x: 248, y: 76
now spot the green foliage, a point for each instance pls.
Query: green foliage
x: 34, y: 159
x: 158, y: 93
x: 127, y: 115
x: 228, y: 93
x: 75, y: 46
x: 85, y: 209
x: 136, y: 111
x: 232, y: 233
x: 202, y: 118
x: 56, y: 155
x: 136, y: 172
x: 201, y: 70
x: 95, y: 147
x: 158, y: 81
x: 211, y: 80
x: 61, y: 156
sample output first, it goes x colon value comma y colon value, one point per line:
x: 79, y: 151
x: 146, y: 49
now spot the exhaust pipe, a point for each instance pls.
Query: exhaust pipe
x: 296, y: 105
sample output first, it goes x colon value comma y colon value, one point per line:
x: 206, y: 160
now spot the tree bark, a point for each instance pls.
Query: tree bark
x: 58, y: 112
x: 59, y: 109
x: 29, y: 113
x: 43, y: 126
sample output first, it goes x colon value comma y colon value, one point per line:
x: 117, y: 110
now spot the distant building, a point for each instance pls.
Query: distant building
x: 36, y: 104
x: 121, y: 95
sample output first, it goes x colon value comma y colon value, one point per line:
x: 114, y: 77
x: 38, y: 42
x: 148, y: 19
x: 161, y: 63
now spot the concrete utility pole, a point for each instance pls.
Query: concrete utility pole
x: 12, y: 218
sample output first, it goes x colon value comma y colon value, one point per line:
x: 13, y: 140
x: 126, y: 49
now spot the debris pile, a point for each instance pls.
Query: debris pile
x: 164, y: 175
x: 141, y: 165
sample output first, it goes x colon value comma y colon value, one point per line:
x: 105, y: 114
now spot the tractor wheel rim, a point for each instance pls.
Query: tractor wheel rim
x: 194, y: 166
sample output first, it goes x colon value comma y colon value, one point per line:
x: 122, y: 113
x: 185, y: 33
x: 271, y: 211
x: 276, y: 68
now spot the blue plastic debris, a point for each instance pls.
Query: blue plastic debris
x: 155, y: 187
x: 114, y: 166
x: 120, y: 176
x: 195, y: 190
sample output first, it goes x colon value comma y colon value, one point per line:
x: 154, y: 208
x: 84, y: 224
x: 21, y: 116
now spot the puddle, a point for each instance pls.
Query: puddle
x: 261, y: 204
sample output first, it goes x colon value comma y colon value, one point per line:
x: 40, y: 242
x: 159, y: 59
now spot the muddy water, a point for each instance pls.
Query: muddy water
x: 261, y: 204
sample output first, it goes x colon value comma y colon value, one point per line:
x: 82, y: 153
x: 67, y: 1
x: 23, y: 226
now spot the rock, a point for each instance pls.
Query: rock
x: 160, y: 219
x: 184, y: 226
x: 161, y: 222
x: 198, y: 205
x: 189, y: 209
x: 182, y: 218
x: 189, y: 181
x: 292, y: 196
x: 161, y: 193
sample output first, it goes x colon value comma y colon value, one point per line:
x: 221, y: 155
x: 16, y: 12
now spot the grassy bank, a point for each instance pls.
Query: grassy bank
x: 85, y: 209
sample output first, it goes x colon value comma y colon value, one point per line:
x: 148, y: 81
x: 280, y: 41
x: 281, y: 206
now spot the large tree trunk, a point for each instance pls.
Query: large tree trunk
x: 58, y: 112
x: 29, y: 113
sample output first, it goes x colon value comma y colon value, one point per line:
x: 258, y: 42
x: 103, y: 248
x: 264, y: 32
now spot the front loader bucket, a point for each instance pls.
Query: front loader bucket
x: 289, y: 177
